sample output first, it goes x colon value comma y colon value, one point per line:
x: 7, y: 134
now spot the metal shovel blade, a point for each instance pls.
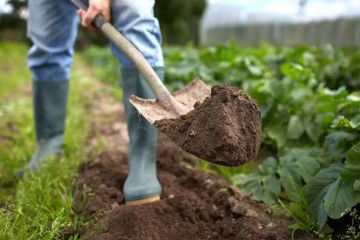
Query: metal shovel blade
x: 194, y: 92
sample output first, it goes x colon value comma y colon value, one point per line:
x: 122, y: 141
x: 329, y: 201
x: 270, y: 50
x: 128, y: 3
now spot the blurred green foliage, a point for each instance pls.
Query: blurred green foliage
x: 12, y: 26
x: 179, y: 20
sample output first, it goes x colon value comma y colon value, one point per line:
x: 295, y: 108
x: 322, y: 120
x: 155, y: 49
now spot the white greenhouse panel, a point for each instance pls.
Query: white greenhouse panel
x: 282, y: 22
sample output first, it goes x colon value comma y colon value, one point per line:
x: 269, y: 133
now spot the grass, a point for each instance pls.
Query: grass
x: 12, y: 71
x: 105, y: 67
x: 39, y: 206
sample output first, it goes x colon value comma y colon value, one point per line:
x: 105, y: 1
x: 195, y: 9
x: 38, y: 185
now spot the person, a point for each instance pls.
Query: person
x: 52, y: 27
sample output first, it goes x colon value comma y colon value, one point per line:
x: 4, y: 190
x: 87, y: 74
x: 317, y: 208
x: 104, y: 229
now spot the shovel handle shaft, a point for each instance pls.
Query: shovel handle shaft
x: 161, y: 93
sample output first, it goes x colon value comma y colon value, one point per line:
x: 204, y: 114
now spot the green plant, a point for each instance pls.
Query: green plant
x: 179, y: 20
x: 263, y: 184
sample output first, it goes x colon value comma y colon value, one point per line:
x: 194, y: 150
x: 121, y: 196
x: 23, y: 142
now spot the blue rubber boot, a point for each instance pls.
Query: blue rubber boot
x: 141, y: 185
x: 49, y: 101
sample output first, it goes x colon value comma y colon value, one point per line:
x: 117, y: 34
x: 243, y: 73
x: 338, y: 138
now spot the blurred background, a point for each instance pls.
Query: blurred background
x: 179, y: 19
x: 282, y: 22
x: 249, y: 22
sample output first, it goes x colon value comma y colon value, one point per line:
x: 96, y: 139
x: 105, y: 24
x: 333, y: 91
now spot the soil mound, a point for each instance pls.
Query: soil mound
x: 225, y: 129
x: 194, y: 205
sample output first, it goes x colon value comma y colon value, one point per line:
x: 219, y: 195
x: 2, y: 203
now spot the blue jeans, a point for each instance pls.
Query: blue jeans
x: 52, y: 27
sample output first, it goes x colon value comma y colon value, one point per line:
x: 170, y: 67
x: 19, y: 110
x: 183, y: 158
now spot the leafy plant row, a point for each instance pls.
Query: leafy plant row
x: 309, y: 99
x: 311, y: 120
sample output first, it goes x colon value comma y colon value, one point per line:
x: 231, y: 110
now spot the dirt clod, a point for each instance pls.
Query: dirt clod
x: 225, y: 129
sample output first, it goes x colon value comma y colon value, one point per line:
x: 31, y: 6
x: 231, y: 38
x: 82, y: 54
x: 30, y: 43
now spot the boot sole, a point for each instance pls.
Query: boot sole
x: 143, y: 201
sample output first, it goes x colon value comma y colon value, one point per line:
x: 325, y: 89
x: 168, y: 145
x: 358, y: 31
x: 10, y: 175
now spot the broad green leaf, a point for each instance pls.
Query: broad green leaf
x: 351, y: 171
x: 340, y: 92
x: 303, y: 164
x: 356, y: 119
x: 289, y: 184
x: 264, y: 184
x: 329, y: 195
x: 312, y: 127
x: 295, y: 127
x: 261, y: 92
x: 268, y: 166
x: 349, y: 107
x: 275, y: 88
x: 299, y: 94
x: 279, y: 134
x: 339, y: 199
x: 338, y: 143
x: 264, y: 188
x: 317, y: 188
x: 324, y: 120
x: 328, y: 100
x: 327, y: 106
x: 252, y: 68
x: 341, y: 121
x: 357, y: 186
x: 295, y: 71
x: 297, y: 168
x: 313, y: 131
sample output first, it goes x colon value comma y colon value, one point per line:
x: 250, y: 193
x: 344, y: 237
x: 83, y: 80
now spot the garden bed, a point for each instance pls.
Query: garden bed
x: 194, y: 204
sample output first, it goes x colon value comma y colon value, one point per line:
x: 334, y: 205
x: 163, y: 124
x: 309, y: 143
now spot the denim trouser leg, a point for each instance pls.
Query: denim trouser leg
x: 52, y: 27
x: 136, y: 21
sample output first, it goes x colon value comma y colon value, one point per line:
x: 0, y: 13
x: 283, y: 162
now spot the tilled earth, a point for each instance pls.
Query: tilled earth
x: 194, y: 205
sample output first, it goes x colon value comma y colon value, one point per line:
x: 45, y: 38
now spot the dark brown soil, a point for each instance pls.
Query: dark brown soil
x: 194, y: 205
x: 225, y: 129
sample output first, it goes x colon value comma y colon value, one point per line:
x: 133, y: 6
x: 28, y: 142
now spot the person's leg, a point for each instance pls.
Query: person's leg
x: 52, y: 27
x: 135, y: 20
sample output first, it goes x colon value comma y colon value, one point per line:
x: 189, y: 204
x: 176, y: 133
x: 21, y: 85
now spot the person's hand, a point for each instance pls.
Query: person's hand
x: 95, y: 7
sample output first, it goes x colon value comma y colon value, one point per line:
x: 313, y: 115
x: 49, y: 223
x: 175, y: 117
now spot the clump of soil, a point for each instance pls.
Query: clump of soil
x: 225, y: 129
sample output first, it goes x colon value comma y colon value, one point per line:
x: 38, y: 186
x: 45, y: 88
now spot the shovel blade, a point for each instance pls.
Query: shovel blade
x: 194, y: 92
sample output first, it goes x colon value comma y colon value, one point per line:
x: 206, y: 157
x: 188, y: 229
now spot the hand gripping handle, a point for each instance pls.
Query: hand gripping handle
x: 84, y: 5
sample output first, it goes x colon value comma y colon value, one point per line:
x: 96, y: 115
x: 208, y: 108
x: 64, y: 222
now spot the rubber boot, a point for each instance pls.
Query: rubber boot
x: 49, y: 101
x: 141, y: 185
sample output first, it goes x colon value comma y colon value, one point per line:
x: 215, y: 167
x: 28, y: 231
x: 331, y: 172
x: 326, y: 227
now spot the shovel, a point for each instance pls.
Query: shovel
x: 165, y: 106
x: 221, y: 125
